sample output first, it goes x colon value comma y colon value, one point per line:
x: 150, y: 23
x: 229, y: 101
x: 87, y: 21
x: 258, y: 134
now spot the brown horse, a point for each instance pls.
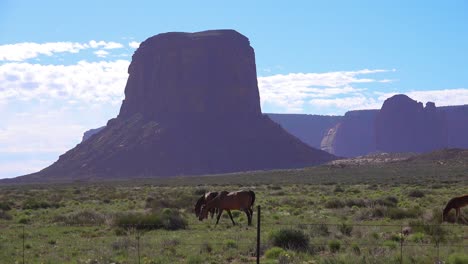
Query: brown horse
x: 455, y: 203
x: 240, y: 200
x: 203, y: 200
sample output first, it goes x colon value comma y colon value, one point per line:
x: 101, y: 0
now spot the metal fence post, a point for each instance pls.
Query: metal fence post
x: 138, y: 244
x: 401, y: 244
x: 23, y: 243
x: 258, y: 234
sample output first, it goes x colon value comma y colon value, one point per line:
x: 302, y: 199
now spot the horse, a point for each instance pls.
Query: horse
x: 203, y: 200
x: 240, y: 200
x: 455, y: 203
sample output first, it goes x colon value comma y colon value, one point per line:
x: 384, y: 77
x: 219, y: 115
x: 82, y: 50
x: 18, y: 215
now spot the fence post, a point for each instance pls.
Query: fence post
x: 258, y: 234
x: 23, y: 244
x: 138, y: 244
x: 401, y: 244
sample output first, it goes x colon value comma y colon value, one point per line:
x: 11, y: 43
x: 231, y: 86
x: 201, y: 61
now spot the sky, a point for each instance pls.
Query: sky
x: 63, y: 64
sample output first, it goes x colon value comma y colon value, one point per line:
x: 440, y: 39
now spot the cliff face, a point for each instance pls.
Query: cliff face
x: 353, y: 136
x: 310, y: 129
x: 404, y: 125
x: 191, y: 107
x: 457, y: 125
x: 211, y: 73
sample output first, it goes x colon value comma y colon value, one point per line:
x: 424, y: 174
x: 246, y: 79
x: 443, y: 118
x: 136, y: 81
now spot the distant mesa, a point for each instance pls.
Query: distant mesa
x: 191, y: 107
x: 401, y: 125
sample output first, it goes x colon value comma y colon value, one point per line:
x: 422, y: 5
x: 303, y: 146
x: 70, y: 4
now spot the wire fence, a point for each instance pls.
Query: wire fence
x: 141, y: 244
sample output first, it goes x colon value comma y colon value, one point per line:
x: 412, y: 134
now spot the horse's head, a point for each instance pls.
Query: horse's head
x: 198, y: 205
x: 203, y: 213
x: 445, y: 213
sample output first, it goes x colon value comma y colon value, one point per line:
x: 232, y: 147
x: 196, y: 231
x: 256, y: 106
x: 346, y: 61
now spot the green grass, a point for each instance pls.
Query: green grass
x: 361, y: 209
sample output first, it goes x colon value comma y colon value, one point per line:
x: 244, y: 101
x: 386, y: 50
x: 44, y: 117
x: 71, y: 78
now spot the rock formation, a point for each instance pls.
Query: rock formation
x: 404, y: 125
x: 353, y: 136
x: 310, y: 129
x: 457, y: 125
x: 191, y: 107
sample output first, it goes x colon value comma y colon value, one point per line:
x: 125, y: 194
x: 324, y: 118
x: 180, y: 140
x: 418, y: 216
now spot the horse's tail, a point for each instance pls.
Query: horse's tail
x: 252, y: 194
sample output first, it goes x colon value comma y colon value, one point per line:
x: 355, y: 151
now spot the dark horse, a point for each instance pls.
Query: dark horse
x: 203, y: 200
x: 455, y: 203
x: 240, y: 200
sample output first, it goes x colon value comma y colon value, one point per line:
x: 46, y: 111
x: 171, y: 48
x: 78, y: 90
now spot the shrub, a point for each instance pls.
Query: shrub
x: 334, y: 203
x: 230, y: 244
x: 195, y: 260
x: 85, y: 217
x: 390, y: 244
x: 356, y: 249
x: 35, y: 204
x: 24, y: 221
x: 457, y: 258
x: 417, y: 237
x: 338, y: 189
x: 334, y: 245
x: 5, y: 206
x: 356, y: 202
x: 200, y: 191
x: 345, y: 229
x: 320, y: 230
x: 399, y: 213
x: 205, y: 247
x: 169, y: 220
x: 389, y: 201
x: 5, y: 216
x: 416, y: 194
x: 274, y: 252
x: 290, y: 239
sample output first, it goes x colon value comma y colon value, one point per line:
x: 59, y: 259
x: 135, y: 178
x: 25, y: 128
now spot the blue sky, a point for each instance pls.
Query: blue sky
x: 63, y: 63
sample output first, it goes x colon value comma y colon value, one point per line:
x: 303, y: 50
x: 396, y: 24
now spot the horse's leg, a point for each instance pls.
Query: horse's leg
x: 220, y: 211
x: 249, y: 217
x: 230, y: 215
x: 457, y: 213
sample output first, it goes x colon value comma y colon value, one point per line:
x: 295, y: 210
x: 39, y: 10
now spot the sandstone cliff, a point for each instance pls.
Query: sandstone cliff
x: 353, y: 135
x: 404, y: 125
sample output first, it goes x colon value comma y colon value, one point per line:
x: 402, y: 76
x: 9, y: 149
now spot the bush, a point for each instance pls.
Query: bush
x: 334, y: 245
x: 399, y: 213
x: 230, y: 244
x: 5, y: 216
x: 389, y: 201
x: 334, y: 203
x: 34, y: 205
x: 85, y: 217
x: 274, y: 253
x: 416, y: 194
x: 290, y: 239
x: 345, y: 229
x: 457, y: 258
x: 390, y: 244
x: 356, y: 202
x: 319, y: 230
x: 5, y: 206
x: 169, y: 220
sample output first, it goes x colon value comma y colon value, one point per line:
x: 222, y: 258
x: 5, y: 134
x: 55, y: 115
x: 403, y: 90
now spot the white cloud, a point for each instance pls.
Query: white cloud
x: 291, y: 92
x: 105, y: 45
x: 90, y: 82
x: 134, y: 44
x: 101, y: 53
x: 29, y: 50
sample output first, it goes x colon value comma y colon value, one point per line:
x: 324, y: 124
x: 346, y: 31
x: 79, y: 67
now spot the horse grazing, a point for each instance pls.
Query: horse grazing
x: 203, y: 200
x: 455, y: 203
x: 240, y: 200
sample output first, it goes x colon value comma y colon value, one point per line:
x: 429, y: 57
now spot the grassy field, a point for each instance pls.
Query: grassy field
x: 326, y: 214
